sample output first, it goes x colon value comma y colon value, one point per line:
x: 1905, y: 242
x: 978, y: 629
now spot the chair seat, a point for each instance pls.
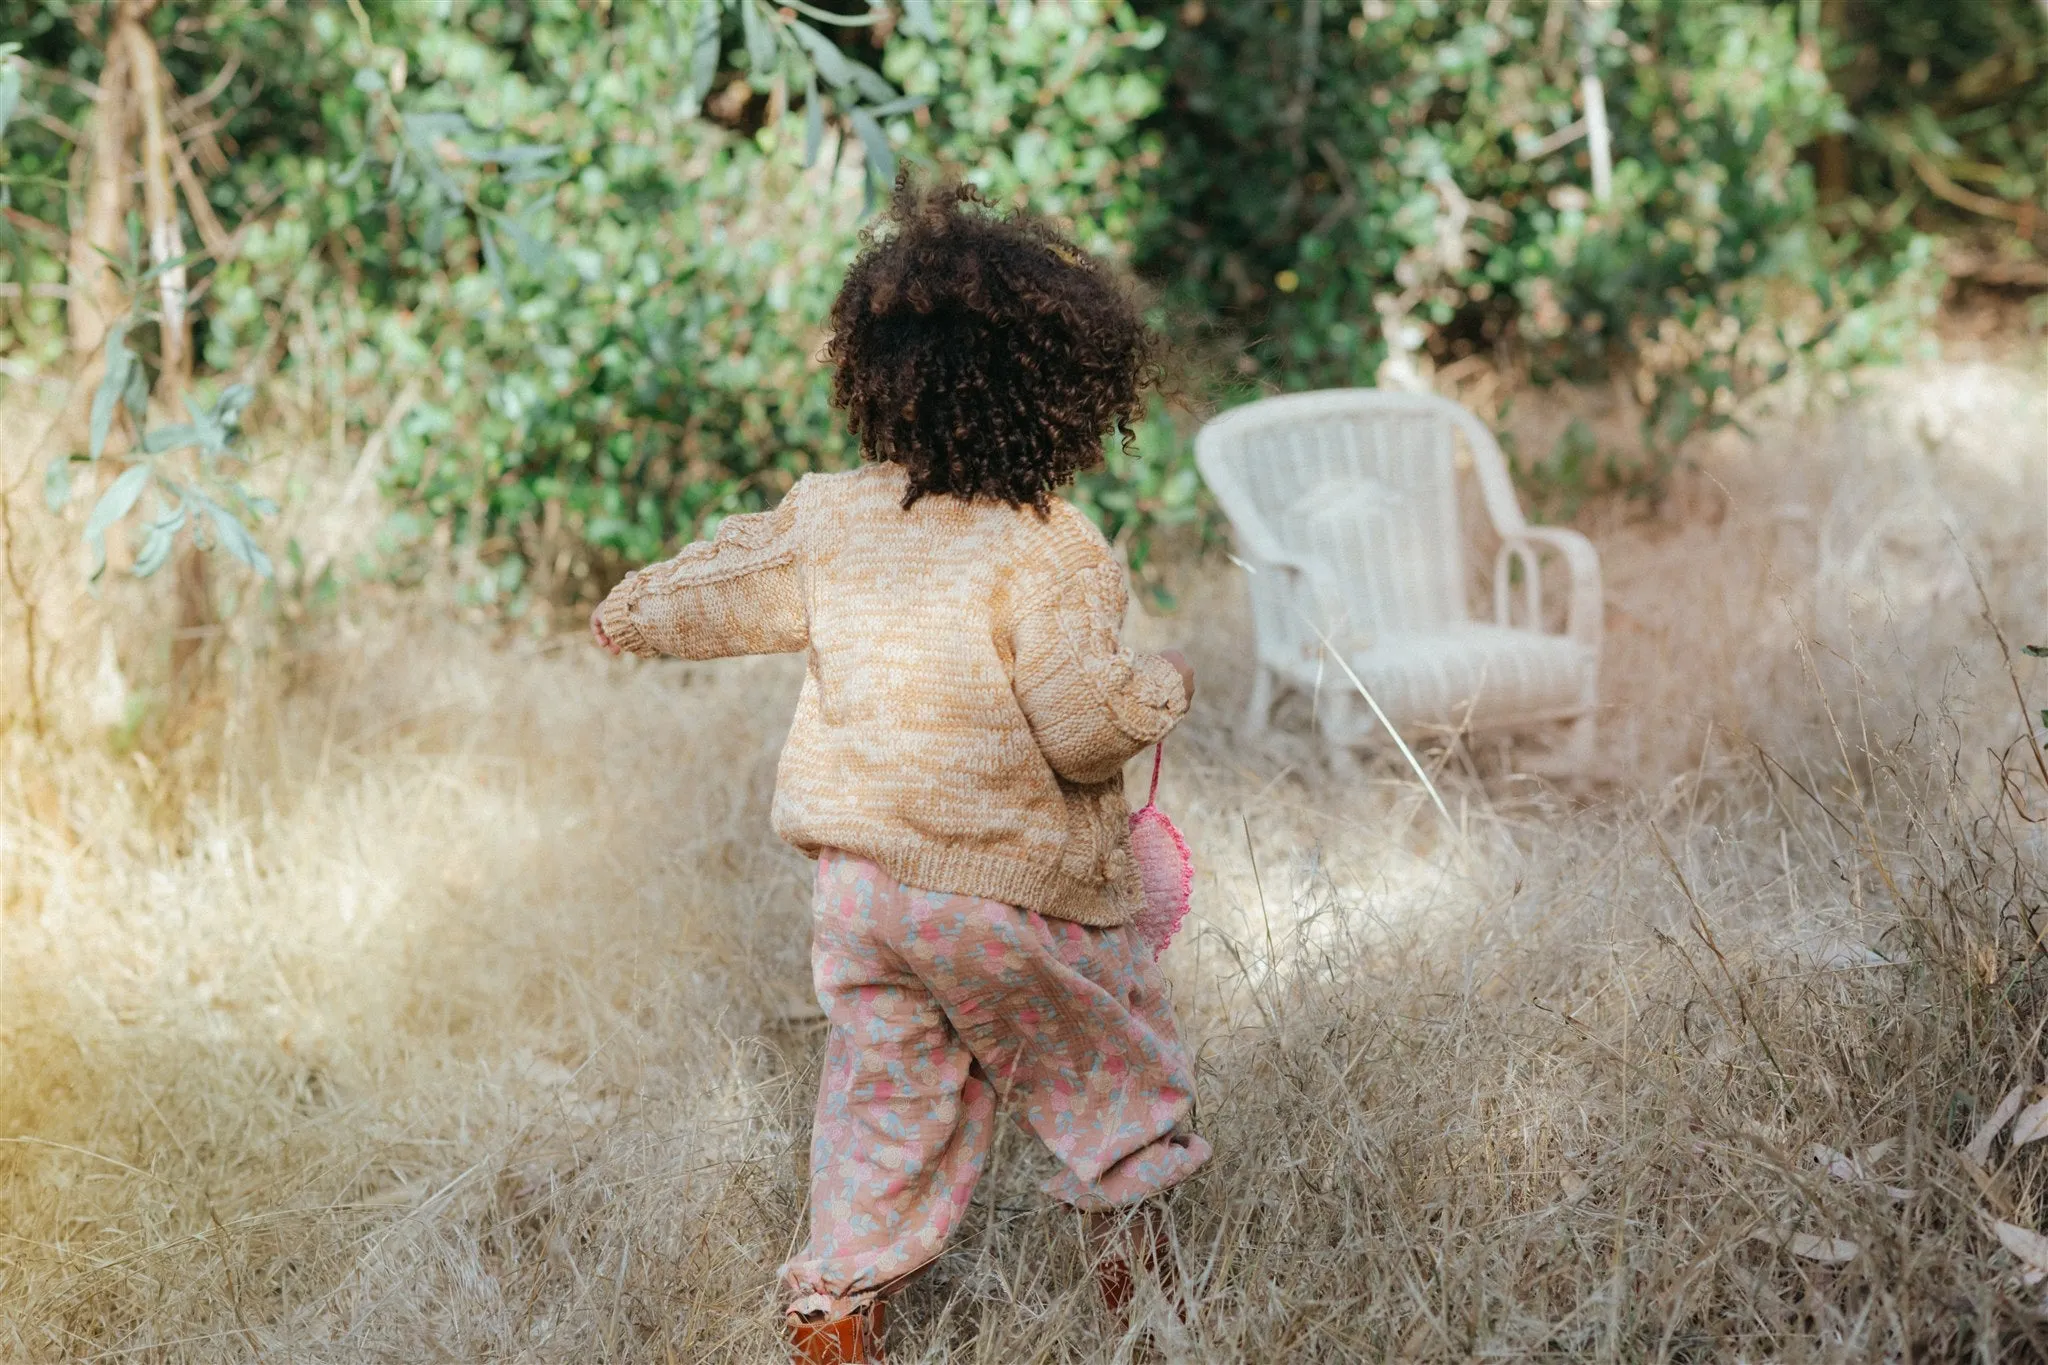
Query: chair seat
x: 1473, y: 675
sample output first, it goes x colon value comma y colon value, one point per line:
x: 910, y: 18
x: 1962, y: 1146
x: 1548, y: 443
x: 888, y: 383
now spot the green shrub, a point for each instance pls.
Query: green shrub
x: 1409, y: 170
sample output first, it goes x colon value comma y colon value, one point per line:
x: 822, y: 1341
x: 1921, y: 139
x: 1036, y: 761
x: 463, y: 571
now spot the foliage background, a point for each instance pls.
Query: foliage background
x: 572, y: 259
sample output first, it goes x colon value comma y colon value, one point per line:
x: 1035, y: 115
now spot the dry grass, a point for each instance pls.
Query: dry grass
x: 453, y: 1004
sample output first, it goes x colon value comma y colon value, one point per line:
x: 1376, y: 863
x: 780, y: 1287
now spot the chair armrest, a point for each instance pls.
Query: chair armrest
x: 1582, y: 563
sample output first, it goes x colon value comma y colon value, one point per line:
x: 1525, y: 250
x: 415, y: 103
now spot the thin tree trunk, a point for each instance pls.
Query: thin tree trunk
x: 1832, y: 151
x: 96, y: 300
x: 1595, y: 94
x: 160, y: 207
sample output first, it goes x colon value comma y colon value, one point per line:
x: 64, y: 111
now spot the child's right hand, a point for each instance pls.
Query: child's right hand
x: 597, y: 634
x: 1184, y: 668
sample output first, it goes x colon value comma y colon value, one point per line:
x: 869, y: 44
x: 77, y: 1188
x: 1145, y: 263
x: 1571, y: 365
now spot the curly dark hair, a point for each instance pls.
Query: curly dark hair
x: 984, y: 352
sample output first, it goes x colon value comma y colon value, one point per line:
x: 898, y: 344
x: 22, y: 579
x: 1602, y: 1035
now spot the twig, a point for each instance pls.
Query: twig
x: 1705, y: 934
x: 1345, y: 664
x: 1555, y: 142
x: 1304, y: 77
x: 1760, y: 753
x: 52, y: 238
x: 2005, y: 651
x: 28, y: 611
x: 192, y: 104
x: 1937, y: 180
x: 1595, y: 94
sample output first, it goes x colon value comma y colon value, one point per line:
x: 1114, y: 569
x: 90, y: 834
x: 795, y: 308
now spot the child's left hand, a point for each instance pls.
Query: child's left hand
x: 603, y: 640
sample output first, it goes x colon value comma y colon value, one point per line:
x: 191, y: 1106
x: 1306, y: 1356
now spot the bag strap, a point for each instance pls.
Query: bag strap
x: 1158, y: 757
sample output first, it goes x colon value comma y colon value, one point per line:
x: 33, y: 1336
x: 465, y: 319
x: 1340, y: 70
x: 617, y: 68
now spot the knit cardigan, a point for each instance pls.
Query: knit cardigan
x: 967, y: 706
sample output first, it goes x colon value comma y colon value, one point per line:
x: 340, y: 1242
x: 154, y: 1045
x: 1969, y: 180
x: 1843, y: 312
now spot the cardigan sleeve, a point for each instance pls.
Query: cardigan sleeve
x: 740, y: 592
x: 1092, y: 703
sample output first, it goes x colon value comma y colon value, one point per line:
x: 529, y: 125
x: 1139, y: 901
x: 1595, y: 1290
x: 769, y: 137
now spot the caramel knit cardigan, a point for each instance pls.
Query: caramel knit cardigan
x: 967, y: 708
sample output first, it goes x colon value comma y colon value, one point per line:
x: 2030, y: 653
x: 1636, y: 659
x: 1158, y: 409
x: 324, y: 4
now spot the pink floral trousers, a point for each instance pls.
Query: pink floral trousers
x: 940, y: 1005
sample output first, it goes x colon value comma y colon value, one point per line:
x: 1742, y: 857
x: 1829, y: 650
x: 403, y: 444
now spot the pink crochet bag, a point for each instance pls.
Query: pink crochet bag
x: 1164, y: 867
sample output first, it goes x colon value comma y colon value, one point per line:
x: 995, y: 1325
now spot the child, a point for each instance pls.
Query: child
x: 955, y: 764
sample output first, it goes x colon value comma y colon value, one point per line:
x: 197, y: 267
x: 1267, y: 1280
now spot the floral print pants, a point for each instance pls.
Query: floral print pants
x: 940, y: 1005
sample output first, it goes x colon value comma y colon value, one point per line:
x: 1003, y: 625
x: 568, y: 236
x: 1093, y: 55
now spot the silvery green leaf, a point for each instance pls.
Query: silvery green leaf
x: 368, y: 79
x: 156, y: 548
x: 881, y: 156
x: 435, y: 235
x: 349, y: 174
x: 839, y: 69
x: 520, y: 155
x: 10, y: 91
x: 533, y: 174
x: 113, y: 505
x: 535, y: 254
x: 918, y: 21
x: 170, y: 438
x: 57, y: 482
x: 135, y: 394
x: 832, y: 64
x: 435, y: 123
x: 119, y: 359
x: 207, y: 428
x: 494, y: 261
x: 422, y: 132
x: 704, y: 60
x: 814, y: 121
x: 234, y: 400
x: 235, y: 539
x: 760, y: 37
x: 903, y: 104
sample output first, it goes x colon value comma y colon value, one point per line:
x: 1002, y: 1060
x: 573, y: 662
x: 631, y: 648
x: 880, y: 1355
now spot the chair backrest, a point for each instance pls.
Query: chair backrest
x: 1363, y: 482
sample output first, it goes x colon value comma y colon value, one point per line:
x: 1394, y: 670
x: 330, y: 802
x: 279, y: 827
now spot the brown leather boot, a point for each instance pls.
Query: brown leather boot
x: 1121, y: 1244
x: 855, y: 1339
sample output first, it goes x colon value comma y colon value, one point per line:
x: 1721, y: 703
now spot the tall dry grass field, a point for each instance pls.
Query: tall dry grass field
x: 450, y: 1001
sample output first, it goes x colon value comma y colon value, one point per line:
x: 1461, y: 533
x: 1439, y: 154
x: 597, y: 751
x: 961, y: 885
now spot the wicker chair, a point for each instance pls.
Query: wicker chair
x: 1345, y: 506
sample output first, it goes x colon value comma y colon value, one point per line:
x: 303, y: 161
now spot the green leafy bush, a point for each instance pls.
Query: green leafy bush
x: 575, y: 259
x: 1407, y: 183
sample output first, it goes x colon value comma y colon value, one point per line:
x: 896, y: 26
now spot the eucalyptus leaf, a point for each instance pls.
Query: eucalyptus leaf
x: 118, y: 361
x: 369, y: 79
x: 155, y: 551
x: 353, y: 171
x: 535, y: 254
x: 164, y: 267
x: 903, y: 104
x: 234, y: 400
x: 494, y: 261
x: 880, y: 155
x: 760, y: 36
x: 10, y: 91
x: 170, y: 438
x: 519, y: 155
x: 114, y: 504
x: 135, y: 395
x: 235, y: 538
x: 422, y: 134
x: 839, y: 69
x: 57, y: 482
x: 814, y: 121
x: 918, y: 21
x: 704, y: 59
x: 532, y: 174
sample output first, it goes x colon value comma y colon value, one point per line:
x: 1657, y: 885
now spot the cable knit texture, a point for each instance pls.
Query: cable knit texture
x: 968, y: 706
